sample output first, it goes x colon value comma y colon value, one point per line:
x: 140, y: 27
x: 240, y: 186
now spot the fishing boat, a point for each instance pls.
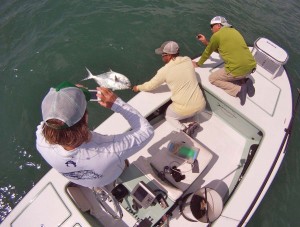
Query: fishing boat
x: 236, y: 154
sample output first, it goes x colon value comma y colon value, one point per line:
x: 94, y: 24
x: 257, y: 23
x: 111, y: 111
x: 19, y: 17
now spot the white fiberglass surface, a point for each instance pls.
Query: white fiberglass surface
x: 226, y: 144
x: 40, y: 208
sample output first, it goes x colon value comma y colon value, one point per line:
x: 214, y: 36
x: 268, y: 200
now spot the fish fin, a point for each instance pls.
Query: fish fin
x: 116, y: 79
x: 90, y: 76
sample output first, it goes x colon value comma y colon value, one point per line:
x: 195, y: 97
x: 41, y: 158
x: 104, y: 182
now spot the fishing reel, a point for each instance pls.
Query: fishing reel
x: 175, y: 173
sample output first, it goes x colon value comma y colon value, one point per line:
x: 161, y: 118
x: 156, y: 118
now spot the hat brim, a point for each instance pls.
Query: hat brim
x: 226, y: 25
x: 159, y: 51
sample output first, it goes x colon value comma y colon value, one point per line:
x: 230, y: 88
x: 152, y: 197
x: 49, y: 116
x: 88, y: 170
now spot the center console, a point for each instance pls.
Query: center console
x: 144, y: 200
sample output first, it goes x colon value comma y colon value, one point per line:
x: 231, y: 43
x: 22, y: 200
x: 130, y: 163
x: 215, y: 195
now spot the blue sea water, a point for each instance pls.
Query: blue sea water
x: 44, y: 42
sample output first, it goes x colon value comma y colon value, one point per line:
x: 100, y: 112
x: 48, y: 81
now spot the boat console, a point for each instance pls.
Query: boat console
x: 152, y: 189
x: 145, y: 201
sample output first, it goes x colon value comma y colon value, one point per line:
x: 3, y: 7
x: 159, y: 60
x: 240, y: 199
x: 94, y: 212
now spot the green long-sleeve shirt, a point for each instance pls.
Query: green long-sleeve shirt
x: 233, y: 49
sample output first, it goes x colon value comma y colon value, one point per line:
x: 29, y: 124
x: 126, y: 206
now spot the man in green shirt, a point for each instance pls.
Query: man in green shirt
x: 238, y: 60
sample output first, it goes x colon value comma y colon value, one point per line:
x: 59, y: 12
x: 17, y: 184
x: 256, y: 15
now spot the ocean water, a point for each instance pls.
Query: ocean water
x: 44, y: 42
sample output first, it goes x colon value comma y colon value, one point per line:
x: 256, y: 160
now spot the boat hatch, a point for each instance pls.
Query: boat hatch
x: 266, y: 92
x: 38, y: 210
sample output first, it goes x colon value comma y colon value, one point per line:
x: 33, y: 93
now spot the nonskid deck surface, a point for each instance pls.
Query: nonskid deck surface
x: 225, y: 143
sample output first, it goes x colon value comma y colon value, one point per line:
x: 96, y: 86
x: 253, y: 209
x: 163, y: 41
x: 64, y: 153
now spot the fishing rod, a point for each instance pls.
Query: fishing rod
x: 288, y: 132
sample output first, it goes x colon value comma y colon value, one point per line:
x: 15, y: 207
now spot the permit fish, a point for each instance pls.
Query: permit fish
x: 111, y: 80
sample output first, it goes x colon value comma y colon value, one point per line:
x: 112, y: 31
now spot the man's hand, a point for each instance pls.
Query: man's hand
x: 203, y: 39
x: 106, y: 96
x: 135, y: 89
x: 195, y: 64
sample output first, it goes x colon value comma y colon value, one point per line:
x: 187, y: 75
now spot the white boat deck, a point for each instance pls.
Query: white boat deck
x: 227, y: 151
x: 218, y: 174
x: 269, y: 110
x: 226, y: 160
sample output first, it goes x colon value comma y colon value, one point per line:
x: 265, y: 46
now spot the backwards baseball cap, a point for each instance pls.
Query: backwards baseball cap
x: 168, y: 47
x: 67, y: 103
x: 220, y: 20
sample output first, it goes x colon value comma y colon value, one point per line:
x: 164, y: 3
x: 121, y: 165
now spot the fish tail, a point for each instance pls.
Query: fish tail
x: 90, y: 76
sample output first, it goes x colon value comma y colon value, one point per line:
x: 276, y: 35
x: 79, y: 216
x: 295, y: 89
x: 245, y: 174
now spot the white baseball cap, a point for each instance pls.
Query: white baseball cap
x: 220, y: 20
x: 168, y: 47
x: 66, y: 103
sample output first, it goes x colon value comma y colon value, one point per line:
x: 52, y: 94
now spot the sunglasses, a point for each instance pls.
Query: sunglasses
x: 212, y: 25
x: 164, y: 55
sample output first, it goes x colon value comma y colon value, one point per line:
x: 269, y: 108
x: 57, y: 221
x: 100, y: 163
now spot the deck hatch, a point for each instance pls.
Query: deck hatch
x: 43, y: 212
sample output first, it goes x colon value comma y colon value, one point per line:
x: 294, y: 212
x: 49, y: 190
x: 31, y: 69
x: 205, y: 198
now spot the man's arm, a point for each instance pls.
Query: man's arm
x: 155, y: 82
x: 202, y: 39
x: 128, y: 143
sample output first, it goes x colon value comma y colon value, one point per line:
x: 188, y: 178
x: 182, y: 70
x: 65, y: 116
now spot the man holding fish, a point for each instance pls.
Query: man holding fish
x: 179, y: 74
x: 86, y: 157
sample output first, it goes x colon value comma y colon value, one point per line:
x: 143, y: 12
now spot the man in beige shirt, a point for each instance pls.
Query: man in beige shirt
x: 179, y: 75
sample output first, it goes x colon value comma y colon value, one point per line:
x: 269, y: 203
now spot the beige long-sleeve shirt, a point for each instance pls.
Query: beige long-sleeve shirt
x: 179, y: 74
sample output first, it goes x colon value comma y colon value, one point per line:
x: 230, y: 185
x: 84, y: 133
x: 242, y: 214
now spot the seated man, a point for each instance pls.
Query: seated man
x: 238, y: 60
